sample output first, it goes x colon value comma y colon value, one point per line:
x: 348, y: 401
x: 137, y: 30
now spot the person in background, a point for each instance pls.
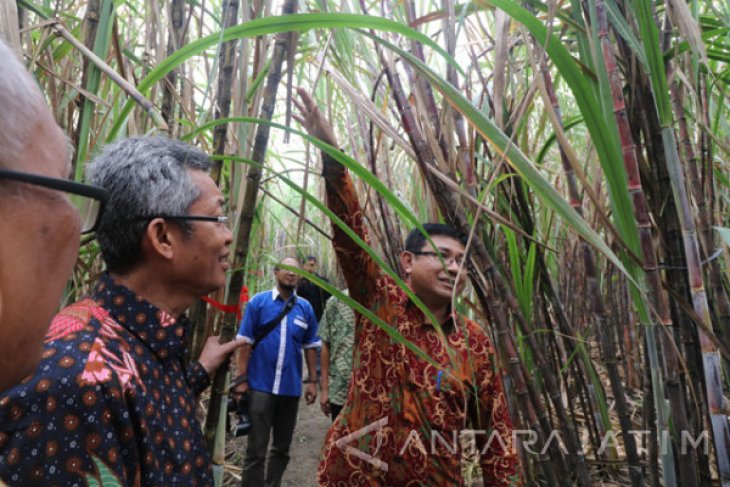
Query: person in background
x: 316, y: 296
x: 114, y: 396
x: 394, y: 387
x: 308, y: 290
x: 336, y: 330
x: 42, y: 215
x: 276, y: 327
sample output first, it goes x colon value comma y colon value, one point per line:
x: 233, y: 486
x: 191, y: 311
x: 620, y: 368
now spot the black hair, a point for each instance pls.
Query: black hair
x: 416, y: 240
x: 311, y: 257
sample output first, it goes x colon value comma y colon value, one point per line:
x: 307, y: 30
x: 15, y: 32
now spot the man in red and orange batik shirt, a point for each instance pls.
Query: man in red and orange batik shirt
x: 404, y: 416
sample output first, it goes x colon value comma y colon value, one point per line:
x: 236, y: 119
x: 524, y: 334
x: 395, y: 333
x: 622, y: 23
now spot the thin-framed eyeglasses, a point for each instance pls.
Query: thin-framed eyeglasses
x: 88, y: 200
x: 196, y: 218
x: 448, y: 259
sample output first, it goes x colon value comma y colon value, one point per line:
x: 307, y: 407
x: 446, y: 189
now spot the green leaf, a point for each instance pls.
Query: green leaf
x: 624, y: 30
x: 523, y: 166
x: 105, y: 477
x: 272, y: 25
x: 101, y: 47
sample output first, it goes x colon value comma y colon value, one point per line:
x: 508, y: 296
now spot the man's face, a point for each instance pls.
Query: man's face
x: 201, y: 259
x: 310, y: 266
x: 286, y: 279
x: 429, y: 279
x: 40, y: 231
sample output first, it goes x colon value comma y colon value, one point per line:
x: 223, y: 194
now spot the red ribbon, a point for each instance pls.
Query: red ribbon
x: 226, y: 308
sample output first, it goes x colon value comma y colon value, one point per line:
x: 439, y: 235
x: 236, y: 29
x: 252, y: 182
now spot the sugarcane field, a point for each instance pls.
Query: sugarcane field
x: 364, y: 243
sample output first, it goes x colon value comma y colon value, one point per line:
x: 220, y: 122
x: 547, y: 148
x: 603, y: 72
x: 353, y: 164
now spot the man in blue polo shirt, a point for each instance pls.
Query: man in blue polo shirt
x: 270, y: 369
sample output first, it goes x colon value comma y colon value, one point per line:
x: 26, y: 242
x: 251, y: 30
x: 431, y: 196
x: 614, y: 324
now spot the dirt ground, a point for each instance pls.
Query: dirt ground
x: 309, y: 435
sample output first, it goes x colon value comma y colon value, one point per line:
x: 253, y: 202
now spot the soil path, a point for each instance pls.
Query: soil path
x: 309, y: 435
x: 312, y: 426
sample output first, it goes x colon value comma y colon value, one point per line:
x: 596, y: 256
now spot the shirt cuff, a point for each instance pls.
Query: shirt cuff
x: 245, y: 339
x: 316, y: 344
x: 198, y: 378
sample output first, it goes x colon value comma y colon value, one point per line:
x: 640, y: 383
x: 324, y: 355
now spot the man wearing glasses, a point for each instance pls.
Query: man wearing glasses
x: 114, y: 395
x: 399, y: 401
x: 41, y: 217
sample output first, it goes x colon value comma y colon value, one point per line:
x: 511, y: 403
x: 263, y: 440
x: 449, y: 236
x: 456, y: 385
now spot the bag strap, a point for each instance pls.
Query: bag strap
x: 268, y: 327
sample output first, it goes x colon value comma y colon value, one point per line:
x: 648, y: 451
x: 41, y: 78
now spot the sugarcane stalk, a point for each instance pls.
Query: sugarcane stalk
x: 229, y: 325
x: 598, y: 310
x: 687, y: 468
x: 505, y: 341
x: 715, y: 279
x: 681, y: 391
x: 90, y: 24
x: 711, y: 359
x: 175, y: 40
x: 226, y: 63
x: 712, y: 368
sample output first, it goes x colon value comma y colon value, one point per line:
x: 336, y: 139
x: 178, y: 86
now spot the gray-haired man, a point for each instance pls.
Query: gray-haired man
x: 40, y: 220
x: 113, y: 394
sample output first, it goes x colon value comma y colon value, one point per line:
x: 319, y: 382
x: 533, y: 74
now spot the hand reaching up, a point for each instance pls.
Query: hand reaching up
x: 312, y: 119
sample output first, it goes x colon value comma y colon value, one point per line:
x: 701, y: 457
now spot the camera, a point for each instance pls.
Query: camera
x: 243, y: 420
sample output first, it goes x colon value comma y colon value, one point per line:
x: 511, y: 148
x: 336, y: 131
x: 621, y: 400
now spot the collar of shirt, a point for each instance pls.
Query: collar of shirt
x: 448, y: 325
x: 275, y: 294
x: 159, y: 330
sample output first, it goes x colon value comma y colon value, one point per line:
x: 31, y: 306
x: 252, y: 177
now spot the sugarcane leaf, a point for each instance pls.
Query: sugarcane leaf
x: 271, y: 25
x: 622, y: 27
x: 523, y: 166
x: 101, y: 47
x: 104, y: 478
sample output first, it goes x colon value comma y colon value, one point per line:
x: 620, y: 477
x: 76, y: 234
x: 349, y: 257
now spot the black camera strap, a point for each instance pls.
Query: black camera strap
x: 268, y: 327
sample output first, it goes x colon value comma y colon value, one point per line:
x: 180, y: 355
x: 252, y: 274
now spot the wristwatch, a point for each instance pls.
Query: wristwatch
x: 239, y: 380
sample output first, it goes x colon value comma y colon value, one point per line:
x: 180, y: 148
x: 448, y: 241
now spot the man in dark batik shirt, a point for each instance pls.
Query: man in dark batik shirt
x: 113, y: 397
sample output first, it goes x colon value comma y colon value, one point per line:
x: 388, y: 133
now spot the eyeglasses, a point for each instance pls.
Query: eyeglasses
x: 448, y: 259
x: 88, y: 200
x: 197, y: 218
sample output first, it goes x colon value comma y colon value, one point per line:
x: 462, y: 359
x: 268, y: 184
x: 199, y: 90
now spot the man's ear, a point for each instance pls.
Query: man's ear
x: 158, y: 239
x: 406, y: 263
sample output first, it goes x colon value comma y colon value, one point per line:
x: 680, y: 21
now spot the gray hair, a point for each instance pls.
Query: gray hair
x: 146, y: 176
x: 21, y: 104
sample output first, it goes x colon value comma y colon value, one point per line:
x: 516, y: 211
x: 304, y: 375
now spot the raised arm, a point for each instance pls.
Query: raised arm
x: 358, y: 268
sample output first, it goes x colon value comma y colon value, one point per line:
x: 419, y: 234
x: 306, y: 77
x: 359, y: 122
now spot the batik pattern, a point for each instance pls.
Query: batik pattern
x: 113, y: 386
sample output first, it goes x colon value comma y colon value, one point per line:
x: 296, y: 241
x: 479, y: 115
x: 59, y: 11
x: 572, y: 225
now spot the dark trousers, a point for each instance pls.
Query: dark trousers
x: 269, y: 412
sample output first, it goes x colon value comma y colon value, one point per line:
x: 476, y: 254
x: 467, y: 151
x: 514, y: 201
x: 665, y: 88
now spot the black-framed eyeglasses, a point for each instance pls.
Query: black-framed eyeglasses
x: 448, y: 259
x: 195, y: 218
x: 88, y: 200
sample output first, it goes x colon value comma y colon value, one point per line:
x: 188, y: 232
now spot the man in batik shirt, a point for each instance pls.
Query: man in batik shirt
x: 404, y: 414
x: 114, y: 398
x: 337, y: 332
